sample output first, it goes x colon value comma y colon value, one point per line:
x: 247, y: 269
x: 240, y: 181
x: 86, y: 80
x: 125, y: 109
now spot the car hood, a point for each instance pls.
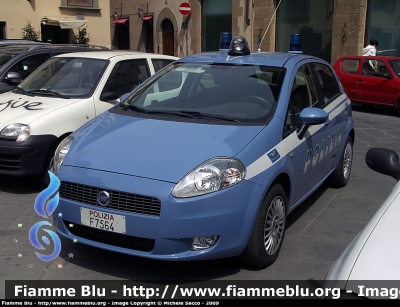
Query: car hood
x: 379, y: 256
x: 23, y: 109
x: 157, y: 149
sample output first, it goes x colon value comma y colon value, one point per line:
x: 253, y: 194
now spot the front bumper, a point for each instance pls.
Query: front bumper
x: 229, y: 213
x: 24, y: 158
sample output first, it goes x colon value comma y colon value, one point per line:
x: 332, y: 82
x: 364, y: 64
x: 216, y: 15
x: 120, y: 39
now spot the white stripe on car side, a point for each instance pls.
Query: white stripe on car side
x: 292, y: 141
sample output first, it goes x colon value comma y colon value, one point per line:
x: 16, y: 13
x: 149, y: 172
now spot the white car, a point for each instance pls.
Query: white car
x: 369, y: 267
x: 60, y: 96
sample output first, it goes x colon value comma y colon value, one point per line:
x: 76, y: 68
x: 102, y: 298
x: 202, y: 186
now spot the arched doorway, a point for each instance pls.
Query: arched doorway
x: 167, y: 30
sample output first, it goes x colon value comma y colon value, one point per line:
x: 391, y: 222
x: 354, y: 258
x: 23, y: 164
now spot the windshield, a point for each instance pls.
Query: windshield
x: 396, y: 66
x: 66, y: 77
x: 245, y: 93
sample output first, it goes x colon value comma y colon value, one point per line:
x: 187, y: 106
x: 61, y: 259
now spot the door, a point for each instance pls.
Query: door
x: 167, y: 37
x: 55, y: 35
x: 376, y: 86
x: 348, y: 71
x: 312, y: 156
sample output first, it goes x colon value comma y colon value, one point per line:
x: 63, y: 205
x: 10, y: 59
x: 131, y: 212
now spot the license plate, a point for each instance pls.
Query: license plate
x: 103, y: 220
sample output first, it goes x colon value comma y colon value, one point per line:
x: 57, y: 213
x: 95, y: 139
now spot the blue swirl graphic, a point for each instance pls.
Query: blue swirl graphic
x: 35, y: 242
x: 52, y: 203
x: 47, y: 195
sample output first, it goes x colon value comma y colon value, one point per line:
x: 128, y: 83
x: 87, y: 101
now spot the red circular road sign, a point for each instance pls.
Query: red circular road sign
x: 185, y: 8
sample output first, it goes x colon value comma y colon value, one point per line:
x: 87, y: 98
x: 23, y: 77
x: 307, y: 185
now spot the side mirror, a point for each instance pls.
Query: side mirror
x: 388, y: 76
x: 13, y: 78
x: 383, y: 161
x: 107, y: 96
x: 311, y: 116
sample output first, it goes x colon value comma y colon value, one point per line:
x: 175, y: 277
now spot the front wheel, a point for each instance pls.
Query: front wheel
x: 269, y: 230
x: 44, y: 178
x: 398, y: 108
x: 341, y: 175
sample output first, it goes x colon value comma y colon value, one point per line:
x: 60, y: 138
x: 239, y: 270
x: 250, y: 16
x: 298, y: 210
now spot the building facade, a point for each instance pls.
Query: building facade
x: 329, y: 28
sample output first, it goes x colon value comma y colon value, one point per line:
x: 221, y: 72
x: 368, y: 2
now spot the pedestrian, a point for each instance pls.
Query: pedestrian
x: 370, y: 50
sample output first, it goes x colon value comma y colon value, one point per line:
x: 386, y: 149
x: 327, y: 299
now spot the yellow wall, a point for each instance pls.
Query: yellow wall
x: 16, y: 13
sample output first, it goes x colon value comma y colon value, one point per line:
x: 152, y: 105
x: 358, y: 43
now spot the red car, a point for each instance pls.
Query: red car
x: 371, y: 79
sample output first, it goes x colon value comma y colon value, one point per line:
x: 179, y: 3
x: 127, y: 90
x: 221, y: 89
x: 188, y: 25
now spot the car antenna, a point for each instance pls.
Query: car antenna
x: 259, y: 46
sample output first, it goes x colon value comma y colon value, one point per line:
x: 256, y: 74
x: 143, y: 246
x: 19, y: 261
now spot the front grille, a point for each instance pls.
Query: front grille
x: 119, y: 201
x: 111, y: 238
x: 10, y: 162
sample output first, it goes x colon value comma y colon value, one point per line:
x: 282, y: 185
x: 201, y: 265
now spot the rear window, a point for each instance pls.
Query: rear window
x: 350, y: 66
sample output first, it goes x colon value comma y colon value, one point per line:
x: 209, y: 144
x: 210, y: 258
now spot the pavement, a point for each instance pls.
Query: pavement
x: 318, y: 230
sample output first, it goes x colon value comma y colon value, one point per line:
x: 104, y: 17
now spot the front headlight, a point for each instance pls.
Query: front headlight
x: 213, y: 175
x: 19, y: 132
x: 60, y: 153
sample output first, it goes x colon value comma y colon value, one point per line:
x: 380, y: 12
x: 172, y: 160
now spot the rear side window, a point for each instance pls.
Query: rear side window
x: 160, y: 63
x: 27, y: 65
x: 350, y: 66
x: 126, y: 75
x: 327, y: 81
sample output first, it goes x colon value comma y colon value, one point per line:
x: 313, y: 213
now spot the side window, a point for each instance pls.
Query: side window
x: 350, y: 66
x: 375, y: 68
x: 327, y: 82
x: 160, y: 63
x: 126, y: 75
x: 29, y: 64
x: 303, y: 95
x: 174, y: 81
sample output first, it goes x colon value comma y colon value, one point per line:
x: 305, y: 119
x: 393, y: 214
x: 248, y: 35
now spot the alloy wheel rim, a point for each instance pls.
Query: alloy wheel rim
x: 274, y: 225
x: 347, y: 160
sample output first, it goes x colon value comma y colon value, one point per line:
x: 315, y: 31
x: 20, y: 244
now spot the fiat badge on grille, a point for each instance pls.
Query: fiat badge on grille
x: 103, y: 198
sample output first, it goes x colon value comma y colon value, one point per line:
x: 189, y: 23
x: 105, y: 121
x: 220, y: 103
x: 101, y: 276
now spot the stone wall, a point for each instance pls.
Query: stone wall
x: 348, y: 32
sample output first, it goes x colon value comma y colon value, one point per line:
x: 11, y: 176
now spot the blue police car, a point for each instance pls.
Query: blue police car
x: 207, y: 157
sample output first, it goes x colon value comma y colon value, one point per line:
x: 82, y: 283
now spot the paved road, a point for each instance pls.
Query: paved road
x: 318, y: 230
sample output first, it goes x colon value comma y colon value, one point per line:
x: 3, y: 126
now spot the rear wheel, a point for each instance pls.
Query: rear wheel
x: 341, y: 175
x: 269, y: 230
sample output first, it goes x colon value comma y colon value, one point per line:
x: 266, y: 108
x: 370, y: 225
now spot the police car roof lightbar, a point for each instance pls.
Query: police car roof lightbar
x: 239, y: 46
x: 296, y: 43
x: 225, y: 40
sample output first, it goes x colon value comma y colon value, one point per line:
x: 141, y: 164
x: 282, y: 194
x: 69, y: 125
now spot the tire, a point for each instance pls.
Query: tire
x: 341, y: 175
x: 269, y: 230
x: 43, y: 178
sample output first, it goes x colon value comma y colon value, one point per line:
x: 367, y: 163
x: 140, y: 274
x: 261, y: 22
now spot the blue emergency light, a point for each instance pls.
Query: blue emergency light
x: 225, y: 40
x: 296, y: 43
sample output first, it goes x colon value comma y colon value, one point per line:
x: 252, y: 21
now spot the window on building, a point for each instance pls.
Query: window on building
x: 216, y: 18
x: 383, y: 24
x: 311, y: 18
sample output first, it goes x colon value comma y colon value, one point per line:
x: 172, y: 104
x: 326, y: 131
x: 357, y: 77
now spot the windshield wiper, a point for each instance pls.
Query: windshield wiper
x: 202, y: 115
x: 135, y: 108
x: 51, y: 93
x: 167, y: 112
x: 21, y: 90
x: 191, y: 114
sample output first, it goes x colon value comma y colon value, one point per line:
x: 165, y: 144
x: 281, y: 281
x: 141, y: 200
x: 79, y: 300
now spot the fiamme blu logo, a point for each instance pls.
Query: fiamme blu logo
x: 45, y: 204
